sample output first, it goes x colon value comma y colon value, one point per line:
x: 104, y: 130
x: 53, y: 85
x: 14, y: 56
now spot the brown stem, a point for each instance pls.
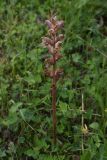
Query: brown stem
x: 54, y: 109
x: 54, y: 98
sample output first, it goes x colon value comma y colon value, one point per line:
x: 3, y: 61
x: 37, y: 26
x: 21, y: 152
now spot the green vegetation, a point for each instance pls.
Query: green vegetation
x: 25, y: 100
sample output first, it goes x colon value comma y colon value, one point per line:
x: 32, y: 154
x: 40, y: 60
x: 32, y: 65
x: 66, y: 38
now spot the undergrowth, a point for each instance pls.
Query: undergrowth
x: 25, y: 100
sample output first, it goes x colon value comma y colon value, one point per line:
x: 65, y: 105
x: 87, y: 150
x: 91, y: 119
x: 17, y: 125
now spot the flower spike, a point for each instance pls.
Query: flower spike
x: 53, y: 44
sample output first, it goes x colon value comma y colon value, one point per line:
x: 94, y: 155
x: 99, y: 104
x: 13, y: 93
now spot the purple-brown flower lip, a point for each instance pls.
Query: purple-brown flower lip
x: 53, y: 24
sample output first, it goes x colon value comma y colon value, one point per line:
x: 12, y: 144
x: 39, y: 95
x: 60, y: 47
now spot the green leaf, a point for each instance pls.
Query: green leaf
x: 15, y: 107
x: 81, y: 3
x: 32, y: 153
x: 21, y: 140
x: 27, y: 114
x: 94, y: 125
x: 76, y: 57
x: 2, y: 153
x: 31, y: 79
x: 63, y: 107
x: 86, y: 156
x: 38, y: 78
x: 11, y: 119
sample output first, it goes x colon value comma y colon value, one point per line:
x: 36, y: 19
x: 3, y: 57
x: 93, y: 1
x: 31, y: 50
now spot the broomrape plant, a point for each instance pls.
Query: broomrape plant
x: 53, y: 43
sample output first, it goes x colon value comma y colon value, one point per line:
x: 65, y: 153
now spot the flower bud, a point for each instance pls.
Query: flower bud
x: 48, y: 23
x: 58, y: 44
x: 47, y: 41
x: 59, y: 38
x: 60, y: 24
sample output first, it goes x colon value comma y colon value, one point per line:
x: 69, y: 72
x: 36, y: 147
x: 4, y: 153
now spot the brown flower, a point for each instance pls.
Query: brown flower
x: 53, y: 44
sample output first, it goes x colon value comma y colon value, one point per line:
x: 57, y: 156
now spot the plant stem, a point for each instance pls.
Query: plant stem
x: 82, y: 121
x: 54, y: 109
x: 54, y: 98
